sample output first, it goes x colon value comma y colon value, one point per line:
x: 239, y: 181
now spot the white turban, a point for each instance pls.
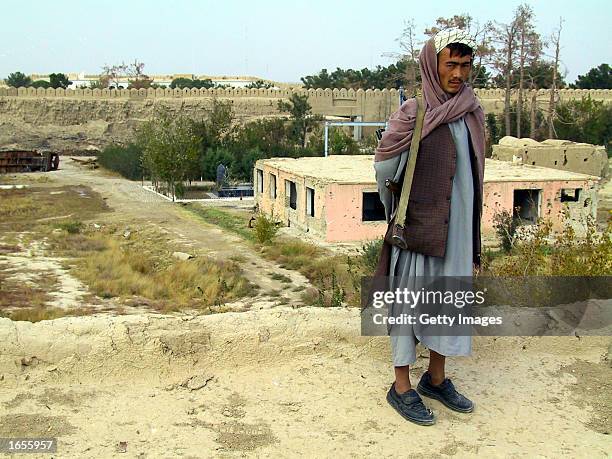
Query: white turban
x: 447, y: 36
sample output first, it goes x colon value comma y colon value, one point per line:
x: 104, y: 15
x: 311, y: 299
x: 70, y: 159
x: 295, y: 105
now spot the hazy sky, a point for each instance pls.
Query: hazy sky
x: 279, y: 40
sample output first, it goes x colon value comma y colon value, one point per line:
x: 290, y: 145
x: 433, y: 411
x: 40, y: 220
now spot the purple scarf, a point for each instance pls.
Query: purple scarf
x: 441, y: 108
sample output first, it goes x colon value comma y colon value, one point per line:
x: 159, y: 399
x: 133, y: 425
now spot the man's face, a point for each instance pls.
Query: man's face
x: 453, y: 71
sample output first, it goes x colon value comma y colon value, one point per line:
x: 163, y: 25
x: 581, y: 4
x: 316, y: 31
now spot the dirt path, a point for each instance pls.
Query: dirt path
x: 286, y: 383
x: 132, y: 206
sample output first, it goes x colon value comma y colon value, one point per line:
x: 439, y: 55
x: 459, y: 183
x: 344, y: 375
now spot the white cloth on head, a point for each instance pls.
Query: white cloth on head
x: 447, y: 36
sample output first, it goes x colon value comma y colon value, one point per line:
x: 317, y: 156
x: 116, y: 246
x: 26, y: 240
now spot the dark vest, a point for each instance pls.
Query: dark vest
x: 430, y: 196
x: 429, y: 202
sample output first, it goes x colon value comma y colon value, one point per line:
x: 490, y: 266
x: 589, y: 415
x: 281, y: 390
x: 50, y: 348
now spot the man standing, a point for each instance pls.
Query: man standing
x: 444, y: 210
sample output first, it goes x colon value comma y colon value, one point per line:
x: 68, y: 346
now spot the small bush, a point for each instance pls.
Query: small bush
x: 370, y: 254
x: 265, y: 228
x: 505, y: 225
x: 71, y: 227
x: 538, y: 253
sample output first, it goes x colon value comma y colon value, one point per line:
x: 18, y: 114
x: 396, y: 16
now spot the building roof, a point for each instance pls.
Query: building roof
x: 359, y: 169
x: 506, y: 171
x: 332, y: 169
x: 525, y: 142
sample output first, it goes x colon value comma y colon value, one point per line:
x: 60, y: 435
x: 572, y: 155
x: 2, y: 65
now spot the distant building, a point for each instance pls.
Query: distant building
x: 80, y: 80
x: 336, y: 198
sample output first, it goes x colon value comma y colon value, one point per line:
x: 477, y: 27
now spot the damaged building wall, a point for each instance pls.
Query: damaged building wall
x: 294, y: 200
x: 354, y: 212
x: 333, y: 211
x: 564, y: 155
x: 545, y: 199
x: 345, y: 204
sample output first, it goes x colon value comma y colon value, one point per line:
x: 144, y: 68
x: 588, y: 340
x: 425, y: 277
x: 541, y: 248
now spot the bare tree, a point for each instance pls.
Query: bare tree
x: 134, y: 71
x: 114, y: 72
x: 529, y: 50
x: 410, y: 49
x: 506, y: 38
x: 458, y: 21
x: 139, y: 80
x: 556, y: 42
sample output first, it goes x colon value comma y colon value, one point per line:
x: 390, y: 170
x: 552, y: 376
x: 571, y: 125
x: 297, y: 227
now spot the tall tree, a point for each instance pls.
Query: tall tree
x: 169, y: 149
x: 18, y: 80
x: 506, y: 38
x: 409, y: 46
x: 59, y: 80
x: 597, y: 78
x: 529, y: 51
x: 300, y: 111
x: 556, y: 42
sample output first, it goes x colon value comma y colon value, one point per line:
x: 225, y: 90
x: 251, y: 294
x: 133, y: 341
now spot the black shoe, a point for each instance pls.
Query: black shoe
x: 445, y: 393
x: 411, y: 407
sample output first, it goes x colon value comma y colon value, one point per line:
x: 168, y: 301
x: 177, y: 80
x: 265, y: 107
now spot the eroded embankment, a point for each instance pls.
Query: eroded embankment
x: 160, y: 346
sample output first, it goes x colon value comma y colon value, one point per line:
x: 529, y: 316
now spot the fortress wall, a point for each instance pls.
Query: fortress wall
x: 341, y: 95
x: 82, y: 118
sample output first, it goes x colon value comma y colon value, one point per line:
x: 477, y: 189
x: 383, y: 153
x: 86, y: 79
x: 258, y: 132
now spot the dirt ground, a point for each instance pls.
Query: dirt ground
x: 288, y: 382
x: 277, y: 380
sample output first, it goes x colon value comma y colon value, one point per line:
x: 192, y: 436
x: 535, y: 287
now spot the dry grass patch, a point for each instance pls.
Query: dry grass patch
x: 142, y: 266
x: 28, y: 301
x: 336, y: 278
x: 26, y: 178
x: 30, y: 208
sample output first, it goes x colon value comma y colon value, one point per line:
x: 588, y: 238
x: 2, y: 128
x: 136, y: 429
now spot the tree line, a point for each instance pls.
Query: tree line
x: 172, y: 149
x: 513, y: 56
x: 113, y: 75
x: 506, y: 53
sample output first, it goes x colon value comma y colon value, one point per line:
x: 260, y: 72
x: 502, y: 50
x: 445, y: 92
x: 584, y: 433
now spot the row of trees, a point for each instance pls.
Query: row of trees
x: 173, y: 148
x: 504, y: 51
x: 56, y: 80
x: 110, y: 77
x: 515, y: 53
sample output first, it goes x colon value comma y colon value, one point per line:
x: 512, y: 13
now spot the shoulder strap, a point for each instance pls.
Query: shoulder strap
x: 400, y: 216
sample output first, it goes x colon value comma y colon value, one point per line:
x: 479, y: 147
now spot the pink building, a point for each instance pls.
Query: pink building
x: 336, y: 198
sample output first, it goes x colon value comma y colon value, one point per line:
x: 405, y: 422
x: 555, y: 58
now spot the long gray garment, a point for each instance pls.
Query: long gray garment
x: 405, y: 265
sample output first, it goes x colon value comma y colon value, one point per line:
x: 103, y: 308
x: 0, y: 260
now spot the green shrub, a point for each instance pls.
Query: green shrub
x: 370, y: 254
x: 212, y: 158
x: 265, y: 228
x: 127, y: 160
x: 71, y: 226
x: 505, y: 225
x: 585, y: 120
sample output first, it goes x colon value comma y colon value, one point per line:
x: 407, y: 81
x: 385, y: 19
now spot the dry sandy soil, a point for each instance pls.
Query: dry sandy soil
x: 287, y: 382
x: 279, y: 381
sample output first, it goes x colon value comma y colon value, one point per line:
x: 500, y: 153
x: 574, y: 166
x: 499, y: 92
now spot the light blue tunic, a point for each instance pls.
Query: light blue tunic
x: 405, y: 264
